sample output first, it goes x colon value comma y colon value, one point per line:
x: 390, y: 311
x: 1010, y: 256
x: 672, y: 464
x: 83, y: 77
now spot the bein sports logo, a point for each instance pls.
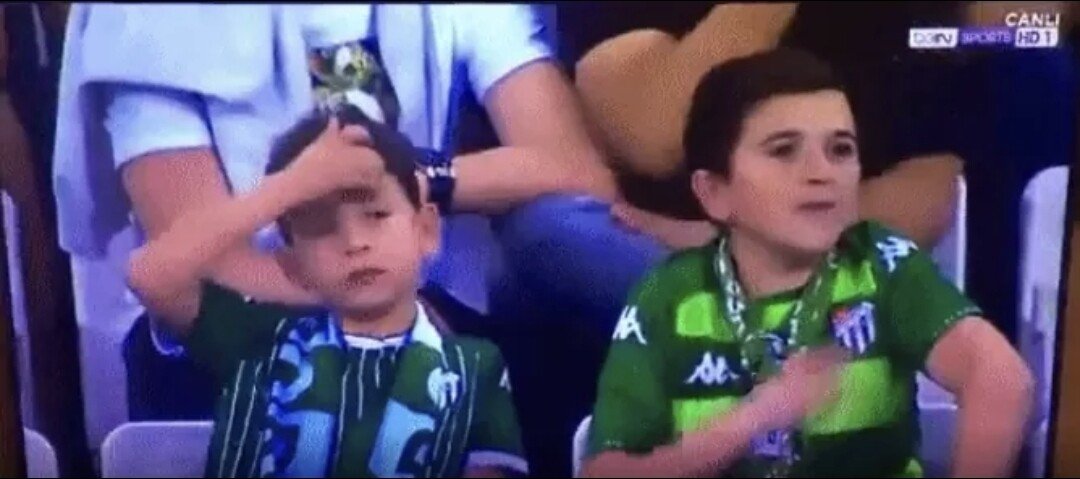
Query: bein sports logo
x: 933, y: 38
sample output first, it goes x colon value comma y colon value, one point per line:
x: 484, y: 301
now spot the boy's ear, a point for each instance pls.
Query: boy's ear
x: 430, y: 224
x: 712, y: 193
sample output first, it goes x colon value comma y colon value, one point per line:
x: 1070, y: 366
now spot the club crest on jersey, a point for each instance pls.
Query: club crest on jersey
x: 712, y: 371
x: 629, y: 326
x: 443, y: 387
x: 854, y: 328
x: 775, y: 343
x: 893, y: 249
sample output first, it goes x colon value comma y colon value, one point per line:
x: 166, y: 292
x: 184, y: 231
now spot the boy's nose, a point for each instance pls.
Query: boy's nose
x: 356, y: 241
x: 817, y: 168
x: 355, y: 248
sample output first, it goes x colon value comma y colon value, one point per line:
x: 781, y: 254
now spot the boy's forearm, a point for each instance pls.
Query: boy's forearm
x: 176, y: 261
x: 165, y: 185
x: 704, y: 453
x: 993, y: 416
x: 199, y: 236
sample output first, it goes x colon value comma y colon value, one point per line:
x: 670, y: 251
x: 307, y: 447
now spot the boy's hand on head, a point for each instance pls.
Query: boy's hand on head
x: 808, y: 382
x: 340, y: 158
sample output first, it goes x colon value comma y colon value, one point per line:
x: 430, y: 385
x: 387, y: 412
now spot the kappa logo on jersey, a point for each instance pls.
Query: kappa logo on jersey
x: 504, y: 382
x: 854, y: 327
x: 894, y: 249
x: 713, y: 371
x: 443, y: 387
x: 629, y: 326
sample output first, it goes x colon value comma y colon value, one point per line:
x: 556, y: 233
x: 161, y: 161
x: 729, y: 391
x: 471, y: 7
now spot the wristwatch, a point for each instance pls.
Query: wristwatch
x: 438, y: 168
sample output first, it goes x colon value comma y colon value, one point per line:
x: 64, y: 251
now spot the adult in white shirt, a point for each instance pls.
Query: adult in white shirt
x: 167, y: 108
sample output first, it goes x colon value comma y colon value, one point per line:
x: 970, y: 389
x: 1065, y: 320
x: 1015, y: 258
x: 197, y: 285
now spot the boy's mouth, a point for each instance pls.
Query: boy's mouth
x: 364, y: 276
x: 816, y: 206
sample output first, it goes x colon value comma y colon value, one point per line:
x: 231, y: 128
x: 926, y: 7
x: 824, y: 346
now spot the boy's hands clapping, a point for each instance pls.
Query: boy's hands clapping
x: 807, y: 383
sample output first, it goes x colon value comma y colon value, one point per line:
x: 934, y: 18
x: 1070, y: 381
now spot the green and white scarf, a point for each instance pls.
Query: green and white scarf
x: 429, y: 397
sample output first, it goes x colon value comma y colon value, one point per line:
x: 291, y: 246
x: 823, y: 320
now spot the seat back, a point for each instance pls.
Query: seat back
x: 40, y: 456
x: 950, y: 254
x: 156, y: 449
x: 581, y: 445
x: 1042, y: 237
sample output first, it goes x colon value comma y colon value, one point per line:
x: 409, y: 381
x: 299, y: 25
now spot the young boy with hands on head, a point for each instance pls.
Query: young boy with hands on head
x: 365, y: 385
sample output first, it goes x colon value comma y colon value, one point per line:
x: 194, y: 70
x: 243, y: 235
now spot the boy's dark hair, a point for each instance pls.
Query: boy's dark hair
x: 732, y: 89
x: 399, y: 156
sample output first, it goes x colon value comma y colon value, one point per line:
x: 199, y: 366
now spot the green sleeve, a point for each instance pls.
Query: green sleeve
x: 230, y: 328
x: 920, y: 304
x: 632, y: 412
x: 495, y: 440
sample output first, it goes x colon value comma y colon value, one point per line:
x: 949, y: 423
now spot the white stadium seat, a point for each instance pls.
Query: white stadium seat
x: 950, y: 253
x: 1042, y: 231
x: 581, y: 445
x: 156, y: 449
x: 40, y: 456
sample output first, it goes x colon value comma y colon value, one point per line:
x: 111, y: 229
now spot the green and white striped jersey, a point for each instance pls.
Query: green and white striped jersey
x: 239, y: 340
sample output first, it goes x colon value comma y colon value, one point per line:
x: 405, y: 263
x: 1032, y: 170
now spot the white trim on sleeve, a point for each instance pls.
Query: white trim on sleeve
x: 144, y: 119
x: 498, y: 39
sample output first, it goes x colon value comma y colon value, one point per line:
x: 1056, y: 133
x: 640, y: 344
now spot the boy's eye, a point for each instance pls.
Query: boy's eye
x: 842, y: 150
x: 378, y: 214
x: 783, y: 151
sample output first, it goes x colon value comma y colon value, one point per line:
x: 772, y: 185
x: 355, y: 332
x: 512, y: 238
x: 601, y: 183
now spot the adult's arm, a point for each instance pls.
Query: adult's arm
x: 917, y: 197
x: 924, y: 217
x: 649, y: 73
x: 163, y: 149
x: 536, y: 114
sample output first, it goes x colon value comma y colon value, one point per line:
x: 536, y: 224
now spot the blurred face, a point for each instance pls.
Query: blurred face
x: 794, y: 175
x: 362, y: 251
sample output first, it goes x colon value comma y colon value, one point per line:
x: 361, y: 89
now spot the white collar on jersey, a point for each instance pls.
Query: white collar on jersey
x: 423, y: 331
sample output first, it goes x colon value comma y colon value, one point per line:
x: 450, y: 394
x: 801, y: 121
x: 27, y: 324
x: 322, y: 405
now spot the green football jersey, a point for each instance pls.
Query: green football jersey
x: 239, y: 341
x: 674, y: 362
